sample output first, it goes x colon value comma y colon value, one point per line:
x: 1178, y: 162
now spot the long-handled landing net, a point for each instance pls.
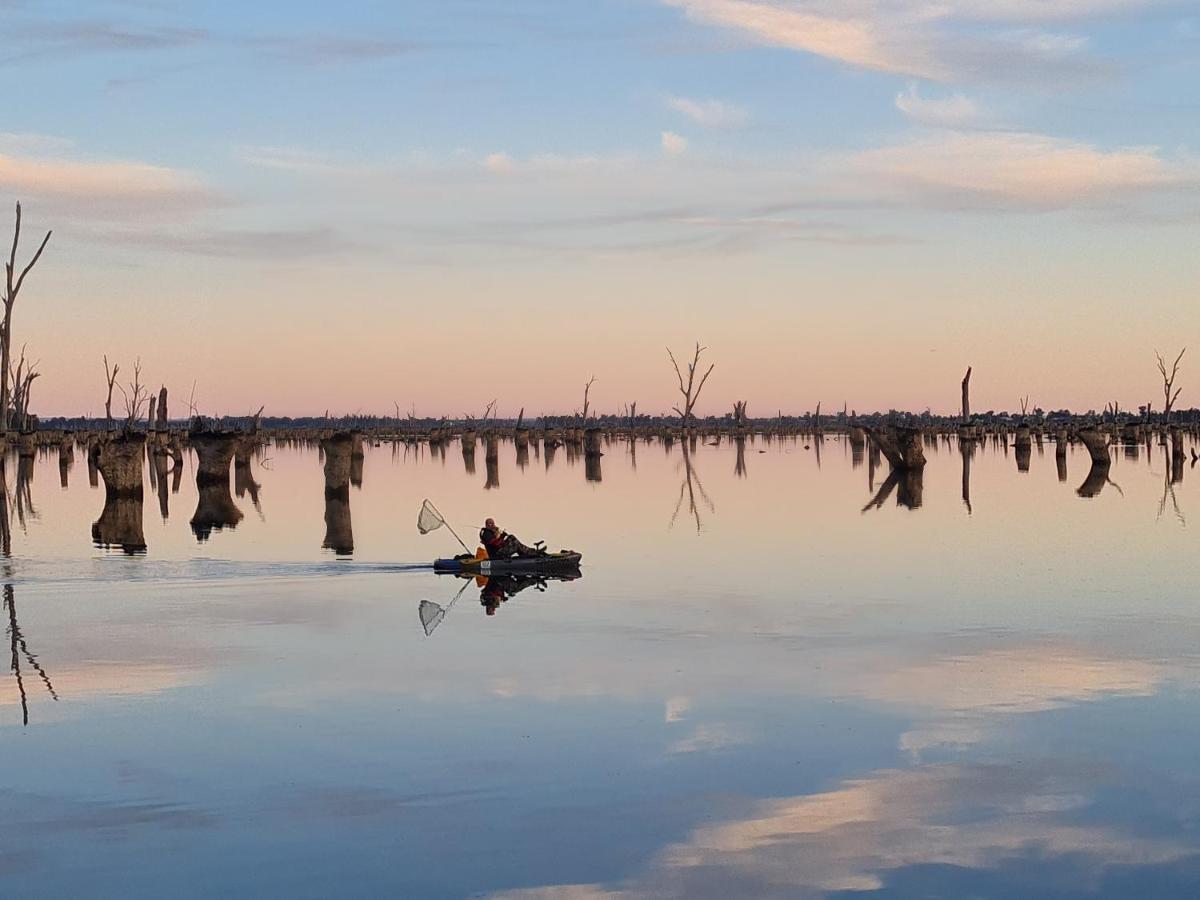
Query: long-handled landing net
x: 429, y: 519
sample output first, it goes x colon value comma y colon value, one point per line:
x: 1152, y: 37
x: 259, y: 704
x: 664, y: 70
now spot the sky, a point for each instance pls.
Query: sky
x: 365, y: 206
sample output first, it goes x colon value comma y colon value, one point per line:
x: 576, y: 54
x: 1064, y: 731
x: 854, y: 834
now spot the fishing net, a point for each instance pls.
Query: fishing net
x: 429, y: 519
x: 431, y: 616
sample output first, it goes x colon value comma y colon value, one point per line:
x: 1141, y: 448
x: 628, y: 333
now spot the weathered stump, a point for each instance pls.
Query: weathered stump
x: 1096, y: 444
x: 591, y: 443
x: 215, y: 508
x: 901, y: 446
x: 119, y: 461
x: 339, y: 533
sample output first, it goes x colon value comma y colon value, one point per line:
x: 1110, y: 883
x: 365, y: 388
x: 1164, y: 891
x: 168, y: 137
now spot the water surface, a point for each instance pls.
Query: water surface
x: 764, y: 683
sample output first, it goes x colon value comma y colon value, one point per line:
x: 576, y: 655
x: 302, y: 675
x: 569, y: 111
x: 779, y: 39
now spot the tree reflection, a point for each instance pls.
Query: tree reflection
x: 911, y: 489
x: 21, y: 649
x: 690, y: 485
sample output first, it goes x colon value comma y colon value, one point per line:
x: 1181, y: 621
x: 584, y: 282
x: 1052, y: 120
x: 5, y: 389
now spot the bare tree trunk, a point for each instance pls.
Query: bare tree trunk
x: 13, y: 288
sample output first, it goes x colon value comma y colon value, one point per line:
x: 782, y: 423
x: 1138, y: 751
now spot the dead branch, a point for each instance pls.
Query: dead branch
x: 689, y: 391
x: 1170, y: 392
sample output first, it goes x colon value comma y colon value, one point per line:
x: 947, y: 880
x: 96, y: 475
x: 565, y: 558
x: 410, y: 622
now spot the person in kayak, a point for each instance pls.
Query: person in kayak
x: 502, y: 545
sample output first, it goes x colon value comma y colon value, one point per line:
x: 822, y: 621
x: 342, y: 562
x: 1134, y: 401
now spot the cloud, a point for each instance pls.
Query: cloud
x: 500, y: 163
x: 1015, y: 170
x: 939, y: 42
x: 858, y: 836
x: 324, y: 49
x: 709, y: 737
x: 710, y: 113
x: 294, y: 160
x: 235, y: 243
x: 955, y: 111
x: 673, y: 144
x: 102, y: 188
x: 74, y: 38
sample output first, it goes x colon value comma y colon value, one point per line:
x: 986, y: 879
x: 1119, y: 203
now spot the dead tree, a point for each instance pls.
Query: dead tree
x: 966, y: 397
x: 1170, y: 392
x: 739, y: 413
x: 22, y: 384
x: 13, y: 284
x: 690, y: 391
x: 587, y: 388
x: 136, y: 398
x: 110, y: 376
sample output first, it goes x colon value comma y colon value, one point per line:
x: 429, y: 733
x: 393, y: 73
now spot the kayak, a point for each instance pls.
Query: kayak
x: 551, y: 562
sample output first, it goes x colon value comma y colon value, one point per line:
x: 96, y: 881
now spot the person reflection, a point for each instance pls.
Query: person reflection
x: 497, y: 590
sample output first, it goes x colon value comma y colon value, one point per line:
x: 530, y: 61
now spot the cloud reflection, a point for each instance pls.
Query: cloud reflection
x: 860, y: 835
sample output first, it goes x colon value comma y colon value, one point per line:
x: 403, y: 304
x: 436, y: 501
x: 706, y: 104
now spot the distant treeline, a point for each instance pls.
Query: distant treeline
x: 891, y: 417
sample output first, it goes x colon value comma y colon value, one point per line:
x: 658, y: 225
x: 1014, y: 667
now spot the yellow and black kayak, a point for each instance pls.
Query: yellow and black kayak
x: 479, y: 564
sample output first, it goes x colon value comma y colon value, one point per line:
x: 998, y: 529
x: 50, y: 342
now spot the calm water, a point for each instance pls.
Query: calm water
x: 756, y: 688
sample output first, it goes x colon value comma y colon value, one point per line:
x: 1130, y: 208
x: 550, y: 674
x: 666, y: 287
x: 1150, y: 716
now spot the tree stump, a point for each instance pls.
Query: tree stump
x: 901, y: 446
x: 215, y: 508
x: 1096, y: 444
x: 119, y: 462
x: 339, y: 533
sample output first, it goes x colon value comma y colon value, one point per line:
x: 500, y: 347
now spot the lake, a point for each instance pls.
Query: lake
x: 763, y: 684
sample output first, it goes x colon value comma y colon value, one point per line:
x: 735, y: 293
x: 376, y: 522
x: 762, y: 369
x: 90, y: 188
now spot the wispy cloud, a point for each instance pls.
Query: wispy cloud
x: 673, y: 144
x: 250, y: 244
x: 710, y: 113
x: 325, y: 49
x: 1015, y: 170
x: 103, y: 187
x: 939, y: 42
x: 54, y: 39
x: 954, y: 111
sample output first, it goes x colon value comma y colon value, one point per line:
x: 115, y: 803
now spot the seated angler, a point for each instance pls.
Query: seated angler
x: 501, y: 545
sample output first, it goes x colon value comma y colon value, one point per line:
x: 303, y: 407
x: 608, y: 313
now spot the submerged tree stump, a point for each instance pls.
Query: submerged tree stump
x: 901, y: 446
x: 591, y: 443
x: 1096, y: 444
x: 215, y: 508
x: 339, y: 533
x: 119, y: 462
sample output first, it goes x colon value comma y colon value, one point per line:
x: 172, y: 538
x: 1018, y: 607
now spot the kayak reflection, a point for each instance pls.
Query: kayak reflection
x: 494, y: 591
